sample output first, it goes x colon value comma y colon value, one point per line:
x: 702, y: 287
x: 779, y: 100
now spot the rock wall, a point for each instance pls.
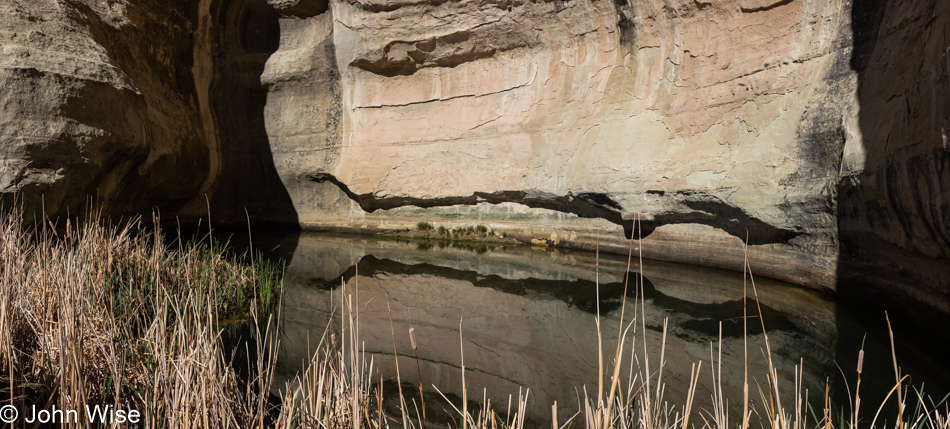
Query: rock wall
x: 137, y: 106
x: 814, y: 130
x: 243, y: 35
x: 894, y: 194
x: 98, y: 100
x: 731, y: 116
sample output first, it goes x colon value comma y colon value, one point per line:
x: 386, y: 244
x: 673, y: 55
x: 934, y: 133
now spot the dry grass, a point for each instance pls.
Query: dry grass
x: 332, y: 392
x: 112, y: 316
x: 98, y: 315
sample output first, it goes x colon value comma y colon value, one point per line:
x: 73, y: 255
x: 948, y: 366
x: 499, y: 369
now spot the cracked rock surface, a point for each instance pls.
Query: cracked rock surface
x: 683, y: 113
x: 813, y: 130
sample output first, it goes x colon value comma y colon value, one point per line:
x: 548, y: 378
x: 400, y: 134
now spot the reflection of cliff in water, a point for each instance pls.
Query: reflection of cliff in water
x: 529, y: 318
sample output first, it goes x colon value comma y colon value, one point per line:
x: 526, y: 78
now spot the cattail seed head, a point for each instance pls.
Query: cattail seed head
x: 412, y: 337
x: 333, y: 338
x: 860, y: 361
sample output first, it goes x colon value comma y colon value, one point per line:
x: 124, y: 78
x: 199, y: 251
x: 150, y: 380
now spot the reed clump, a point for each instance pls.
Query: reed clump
x: 336, y: 390
x: 94, y: 314
x: 112, y: 316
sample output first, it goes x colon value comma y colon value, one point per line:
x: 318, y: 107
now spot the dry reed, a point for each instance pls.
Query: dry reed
x: 636, y: 400
x: 93, y: 314
x: 109, y: 316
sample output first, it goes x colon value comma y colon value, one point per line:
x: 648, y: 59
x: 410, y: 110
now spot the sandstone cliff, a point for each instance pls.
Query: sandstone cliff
x: 98, y: 100
x: 814, y: 130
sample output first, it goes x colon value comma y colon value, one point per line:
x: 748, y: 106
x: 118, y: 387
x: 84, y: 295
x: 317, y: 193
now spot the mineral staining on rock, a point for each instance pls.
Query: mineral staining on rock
x: 894, y: 199
x: 553, y: 97
x: 810, y: 129
x: 683, y: 113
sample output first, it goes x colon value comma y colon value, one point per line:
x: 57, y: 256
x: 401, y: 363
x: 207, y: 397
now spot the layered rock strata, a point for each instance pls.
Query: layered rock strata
x: 732, y: 116
x: 137, y: 106
x: 712, y: 124
x: 813, y: 130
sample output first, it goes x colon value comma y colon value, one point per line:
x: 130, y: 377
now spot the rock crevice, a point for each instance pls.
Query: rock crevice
x: 814, y: 130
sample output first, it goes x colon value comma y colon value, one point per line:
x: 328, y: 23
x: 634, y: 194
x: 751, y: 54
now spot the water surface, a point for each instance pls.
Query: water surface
x: 528, y: 319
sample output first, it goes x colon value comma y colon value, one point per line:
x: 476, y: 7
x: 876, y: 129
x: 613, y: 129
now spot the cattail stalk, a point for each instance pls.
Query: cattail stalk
x: 412, y: 341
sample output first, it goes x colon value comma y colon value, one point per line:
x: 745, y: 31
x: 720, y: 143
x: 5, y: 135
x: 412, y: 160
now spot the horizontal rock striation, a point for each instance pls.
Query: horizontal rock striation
x: 731, y: 116
x: 815, y: 131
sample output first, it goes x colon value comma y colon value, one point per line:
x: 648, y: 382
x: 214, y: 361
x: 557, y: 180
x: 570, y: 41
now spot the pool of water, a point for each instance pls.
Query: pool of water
x: 529, y: 321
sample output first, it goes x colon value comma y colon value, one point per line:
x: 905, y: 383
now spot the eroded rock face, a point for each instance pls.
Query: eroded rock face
x: 683, y: 113
x: 97, y: 102
x: 138, y: 106
x: 813, y: 130
x: 757, y: 118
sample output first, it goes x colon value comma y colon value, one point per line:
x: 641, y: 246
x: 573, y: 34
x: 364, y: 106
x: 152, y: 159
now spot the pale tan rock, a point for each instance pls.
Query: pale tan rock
x: 816, y: 130
x: 685, y: 112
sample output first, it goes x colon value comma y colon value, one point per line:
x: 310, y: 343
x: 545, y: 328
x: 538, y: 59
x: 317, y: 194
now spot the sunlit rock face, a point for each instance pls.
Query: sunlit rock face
x: 729, y: 114
x: 816, y: 131
x: 714, y: 123
x: 454, y: 98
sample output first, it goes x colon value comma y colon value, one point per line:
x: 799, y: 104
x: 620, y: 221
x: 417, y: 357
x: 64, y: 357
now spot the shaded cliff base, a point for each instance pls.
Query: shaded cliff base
x: 876, y: 276
x: 686, y: 243
x: 907, y: 285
